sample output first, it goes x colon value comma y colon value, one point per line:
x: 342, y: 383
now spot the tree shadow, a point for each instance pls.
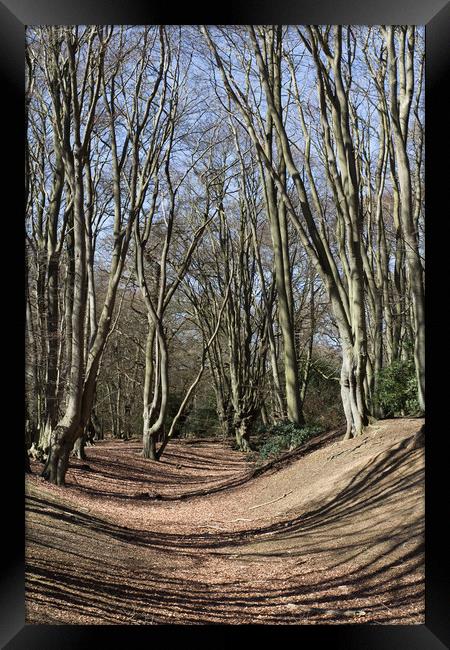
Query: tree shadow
x: 377, y: 578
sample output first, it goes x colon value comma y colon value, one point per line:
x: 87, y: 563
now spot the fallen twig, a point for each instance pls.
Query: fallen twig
x: 336, y: 455
x: 272, y: 501
x: 224, y: 521
x: 387, y: 607
x: 347, y: 451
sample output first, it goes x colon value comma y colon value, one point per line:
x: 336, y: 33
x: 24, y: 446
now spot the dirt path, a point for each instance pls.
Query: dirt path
x: 330, y: 535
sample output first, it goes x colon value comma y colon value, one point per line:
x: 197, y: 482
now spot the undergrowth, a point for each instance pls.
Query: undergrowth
x: 397, y: 389
x: 280, y: 438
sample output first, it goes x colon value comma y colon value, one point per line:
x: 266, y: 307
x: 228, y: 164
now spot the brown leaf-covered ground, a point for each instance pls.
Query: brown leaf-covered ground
x: 334, y: 533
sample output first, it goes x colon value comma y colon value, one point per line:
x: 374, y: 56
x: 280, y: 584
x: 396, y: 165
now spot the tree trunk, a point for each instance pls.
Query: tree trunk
x: 400, y: 102
x: 149, y: 446
x: 78, y: 448
x: 242, y: 429
x: 62, y: 440
x: 45, y: 433
x: 294, y: 406
x: 352, y: 390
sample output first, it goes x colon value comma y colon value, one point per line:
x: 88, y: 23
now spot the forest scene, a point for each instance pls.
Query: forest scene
x: 225, y: 324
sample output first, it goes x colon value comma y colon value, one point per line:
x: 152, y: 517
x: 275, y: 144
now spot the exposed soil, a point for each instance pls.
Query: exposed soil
x: 333, y: 533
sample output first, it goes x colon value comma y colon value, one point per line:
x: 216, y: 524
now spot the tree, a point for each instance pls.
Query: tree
x: 243, y: 223
x: 340, y: 257
x: 89, y: 90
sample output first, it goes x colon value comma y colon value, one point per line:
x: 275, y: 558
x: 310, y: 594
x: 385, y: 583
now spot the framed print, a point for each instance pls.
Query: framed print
x: 225, y: 323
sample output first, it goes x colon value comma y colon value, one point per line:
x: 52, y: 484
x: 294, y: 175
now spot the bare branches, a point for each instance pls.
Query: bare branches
x: 263, y: 188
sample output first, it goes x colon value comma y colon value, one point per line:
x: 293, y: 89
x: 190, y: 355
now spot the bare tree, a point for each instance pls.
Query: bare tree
x: 339, y: 257
x: 90, y: 91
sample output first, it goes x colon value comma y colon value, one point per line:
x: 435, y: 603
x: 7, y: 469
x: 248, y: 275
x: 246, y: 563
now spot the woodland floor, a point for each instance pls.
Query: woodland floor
x: 334, y: 533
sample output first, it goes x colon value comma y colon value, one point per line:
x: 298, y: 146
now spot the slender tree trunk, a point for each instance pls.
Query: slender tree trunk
x: 78, y: 448
x: 400, y: 103
x: 149, y: 443
x: 242, y: 429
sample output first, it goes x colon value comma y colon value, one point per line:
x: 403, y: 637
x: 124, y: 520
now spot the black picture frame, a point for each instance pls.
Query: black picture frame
x: 435, y: 15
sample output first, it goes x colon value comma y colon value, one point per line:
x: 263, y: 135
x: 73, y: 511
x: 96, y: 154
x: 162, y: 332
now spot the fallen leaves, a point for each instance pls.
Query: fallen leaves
x: 108, y: 550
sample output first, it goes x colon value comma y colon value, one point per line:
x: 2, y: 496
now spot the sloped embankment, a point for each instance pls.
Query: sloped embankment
x: 332, y: 534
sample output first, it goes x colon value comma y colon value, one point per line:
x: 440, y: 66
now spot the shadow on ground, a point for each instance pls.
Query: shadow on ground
x: 357, y: 558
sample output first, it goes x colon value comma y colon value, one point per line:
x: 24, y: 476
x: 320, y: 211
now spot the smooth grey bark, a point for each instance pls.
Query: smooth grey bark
x: 354, y: 362
x: 83, y: 380
x: 401, y: 63
x: 242, y: 427
x: 276, y: 211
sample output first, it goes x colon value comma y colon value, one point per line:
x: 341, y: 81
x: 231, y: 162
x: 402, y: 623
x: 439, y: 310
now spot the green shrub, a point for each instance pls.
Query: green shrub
x: 396, y: 390
x: 285, y: 436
